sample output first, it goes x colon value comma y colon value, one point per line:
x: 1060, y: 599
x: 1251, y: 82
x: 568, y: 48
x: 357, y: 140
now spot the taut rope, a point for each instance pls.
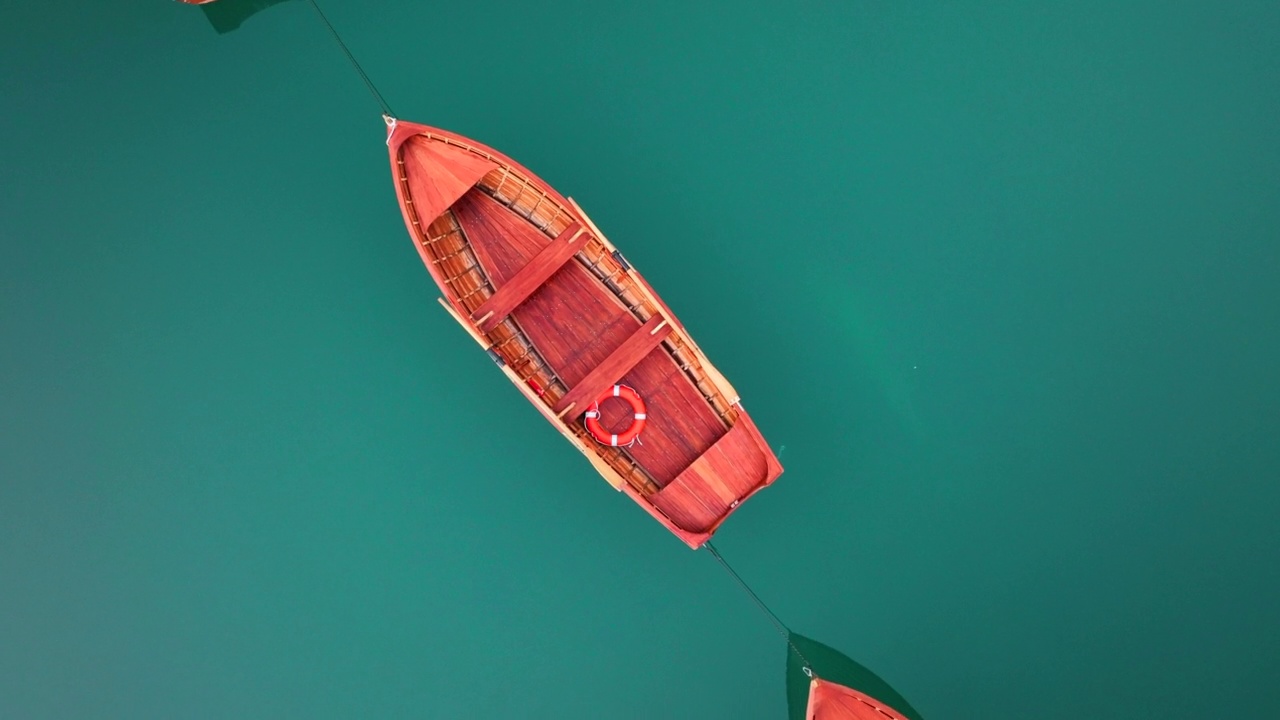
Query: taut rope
x: 373, y: 89
x: 782, y: 629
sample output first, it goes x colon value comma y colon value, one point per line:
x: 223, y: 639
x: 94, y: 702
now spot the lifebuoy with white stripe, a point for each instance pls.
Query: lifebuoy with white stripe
x: 638, y: 417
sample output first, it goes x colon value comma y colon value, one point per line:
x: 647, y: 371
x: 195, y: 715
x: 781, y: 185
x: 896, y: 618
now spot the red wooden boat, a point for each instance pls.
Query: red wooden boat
x: 572, y: 324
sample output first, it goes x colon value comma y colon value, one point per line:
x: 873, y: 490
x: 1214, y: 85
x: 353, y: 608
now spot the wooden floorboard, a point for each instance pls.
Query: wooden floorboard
x: 576, y: 323
x: 704, y: 491
x: 688, y: 424
x: 620, y: 362
x: 503, y: 241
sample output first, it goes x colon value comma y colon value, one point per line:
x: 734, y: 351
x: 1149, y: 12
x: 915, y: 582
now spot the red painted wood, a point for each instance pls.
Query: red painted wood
x: 706, y: 490
x: 439, y: 174
x: 831, y: 701
x: 504, y: 241
x: 529, y: 278
x: 693, y: 540
x: 620, y: 362
x: 575, y: 323
x: 683, y: 424
x: 573, y: 320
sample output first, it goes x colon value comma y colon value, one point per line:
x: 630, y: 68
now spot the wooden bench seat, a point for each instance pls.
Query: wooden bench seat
x: 620, y: 362
x: 529, y: 278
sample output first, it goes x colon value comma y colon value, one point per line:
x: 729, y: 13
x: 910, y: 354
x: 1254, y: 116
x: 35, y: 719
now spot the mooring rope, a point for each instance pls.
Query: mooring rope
x: 373, y: 89
x: 782, y: 629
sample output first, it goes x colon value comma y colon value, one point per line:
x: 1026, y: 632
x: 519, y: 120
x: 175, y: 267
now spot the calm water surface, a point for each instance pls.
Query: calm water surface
x: 1004, y: 282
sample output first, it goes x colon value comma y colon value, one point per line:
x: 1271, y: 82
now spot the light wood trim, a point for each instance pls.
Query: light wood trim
x: 475, y: 334
x: 591, y: 224
x: 606, y: 470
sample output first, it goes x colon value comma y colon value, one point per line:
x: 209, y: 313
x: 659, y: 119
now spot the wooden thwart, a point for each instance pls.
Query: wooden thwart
x: 643, y: 288
x: 619, y: 363
x: 528, y: 279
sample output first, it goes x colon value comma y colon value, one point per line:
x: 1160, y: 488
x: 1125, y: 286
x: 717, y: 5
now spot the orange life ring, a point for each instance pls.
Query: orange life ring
x: 638, y: 417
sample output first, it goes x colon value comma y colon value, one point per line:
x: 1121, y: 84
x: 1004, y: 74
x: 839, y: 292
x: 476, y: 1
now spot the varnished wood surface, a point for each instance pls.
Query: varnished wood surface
x: 714, y: 375
x: 621, y: 361
x: 576, y: 323
x: 439, y: 175
x: 529, y: 278
x: 712, y: 483
x: 700, y: 455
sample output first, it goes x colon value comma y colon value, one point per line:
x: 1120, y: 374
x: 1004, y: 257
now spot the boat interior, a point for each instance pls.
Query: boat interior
x: 558, y: 306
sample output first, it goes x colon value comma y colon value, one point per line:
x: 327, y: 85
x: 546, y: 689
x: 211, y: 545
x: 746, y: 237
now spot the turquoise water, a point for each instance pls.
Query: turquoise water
x: 1000, y: 283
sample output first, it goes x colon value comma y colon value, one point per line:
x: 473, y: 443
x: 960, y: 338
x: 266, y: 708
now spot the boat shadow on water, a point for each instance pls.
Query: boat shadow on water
x: 832, y: 686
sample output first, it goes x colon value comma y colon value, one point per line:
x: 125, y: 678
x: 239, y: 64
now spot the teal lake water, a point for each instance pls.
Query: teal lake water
x: 1000, y: 283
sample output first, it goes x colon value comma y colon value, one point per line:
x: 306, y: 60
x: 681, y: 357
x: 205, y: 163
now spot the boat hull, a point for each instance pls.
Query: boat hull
x: 530, y: 277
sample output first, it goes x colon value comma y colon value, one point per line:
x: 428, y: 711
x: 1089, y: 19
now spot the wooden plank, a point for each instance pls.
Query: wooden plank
x: 575, y: 322
x: 438, y: 175
x: 619, y: 363
x: 529, y: 278
x: 729, y: 471
x: 714, y: 374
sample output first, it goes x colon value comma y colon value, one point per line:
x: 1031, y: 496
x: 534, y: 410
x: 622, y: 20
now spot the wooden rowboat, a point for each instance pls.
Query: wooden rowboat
x: 566, y: 317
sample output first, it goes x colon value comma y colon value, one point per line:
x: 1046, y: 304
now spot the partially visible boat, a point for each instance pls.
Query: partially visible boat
x: 825, y: 684
x: 832, y: 701
x: 533, y: 280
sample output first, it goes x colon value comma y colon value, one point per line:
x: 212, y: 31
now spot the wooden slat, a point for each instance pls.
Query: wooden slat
x: 619, y: 363
x: 439, y: 174
x: 530, y: 277
x: 575, y: 322
x: 731, y: 469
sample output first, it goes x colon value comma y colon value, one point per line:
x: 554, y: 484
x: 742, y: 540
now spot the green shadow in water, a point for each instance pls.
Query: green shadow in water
x: 831, y: 664
x: 226, y: 15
